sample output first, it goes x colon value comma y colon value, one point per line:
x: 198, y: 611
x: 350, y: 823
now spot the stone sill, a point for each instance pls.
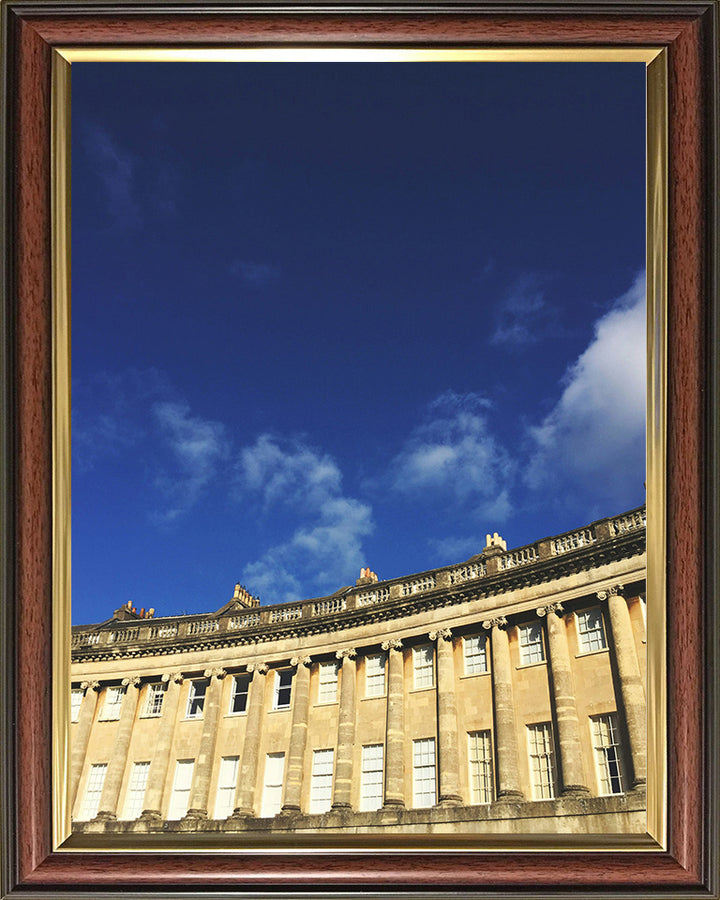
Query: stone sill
x: 592, y: 653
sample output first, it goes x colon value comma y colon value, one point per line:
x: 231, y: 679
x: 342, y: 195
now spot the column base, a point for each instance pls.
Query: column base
x: 151, y: 815
x: 639, y: 784
x: 290, y: 809
x: 575, y: 790
x: 510, y: 796
x: 242, y: 813
x: 341, y: 805
x: 105, y: 816
x: 450, y: 800
x: 394, y: 804
x: 193, y: 814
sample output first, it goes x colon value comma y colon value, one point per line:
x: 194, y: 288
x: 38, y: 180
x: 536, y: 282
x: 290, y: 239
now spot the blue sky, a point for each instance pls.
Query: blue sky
x: 335, y: 315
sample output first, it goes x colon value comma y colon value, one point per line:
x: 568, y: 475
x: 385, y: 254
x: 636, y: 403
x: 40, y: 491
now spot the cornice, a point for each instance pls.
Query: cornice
x: 542, y: 571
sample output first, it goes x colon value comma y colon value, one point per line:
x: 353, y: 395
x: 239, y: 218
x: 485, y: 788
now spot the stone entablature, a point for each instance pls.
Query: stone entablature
x: 546, y: 560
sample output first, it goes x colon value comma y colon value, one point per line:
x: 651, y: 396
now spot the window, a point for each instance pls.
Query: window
x: 154, y: 702
x: 196, y: 699
x: 180, y: 796
x: 136, y: 790
x: 327, y: 687
x: 424, y: 792
x: 272, y: 789
x: 606, y: 743
x: 474, y: 648
x: 227, y: 781
x: 93, y: 791
x: 591, y: 634
x: 371, y: 780
x: 542, y: 767
x: 531, y: 644
x: 482, y: 787
x: 321, y: 781
x: 283, y: 688
x: 239, y: 697
x: 112, y: 704
x: 76, y: 698
x: 375, y: 675
x: 423, y: 666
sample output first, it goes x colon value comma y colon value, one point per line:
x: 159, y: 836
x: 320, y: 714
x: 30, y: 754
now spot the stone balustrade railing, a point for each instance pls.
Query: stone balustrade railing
x: 368, y: 595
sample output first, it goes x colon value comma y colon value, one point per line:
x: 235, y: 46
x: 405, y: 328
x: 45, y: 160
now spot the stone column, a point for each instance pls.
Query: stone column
x: 160, y: 762
x: 448, y: 759
x: 632, y: 690
x: 245, y: 793
x: 508, y: 775
x: 198, y: 801
x: 346, y: 731
x: 298, y: 734
x: 568, y: 724
x: 119, y: 759
x: 395, y: 739
x: 81, y: 735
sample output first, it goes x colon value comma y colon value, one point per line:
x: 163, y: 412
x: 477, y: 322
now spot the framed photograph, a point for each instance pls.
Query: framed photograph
x: 276, y: 221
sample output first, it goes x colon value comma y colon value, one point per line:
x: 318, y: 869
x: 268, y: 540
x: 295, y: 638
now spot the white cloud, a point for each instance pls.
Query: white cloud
x: 197, y: 446
x: 288, y: 472
x: 256, y: 274
x: 455, y: 455
x: 594, y: 437
x: 325, y: 549
x: 524, y: 316
x: 117, y: 172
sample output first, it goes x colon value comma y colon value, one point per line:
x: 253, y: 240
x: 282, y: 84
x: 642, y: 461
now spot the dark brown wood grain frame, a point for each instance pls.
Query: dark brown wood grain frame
x: 689, y: 31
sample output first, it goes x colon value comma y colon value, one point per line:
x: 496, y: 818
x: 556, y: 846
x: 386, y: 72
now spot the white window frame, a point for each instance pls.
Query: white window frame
x: 237, y: 681
x: 226, y: 786
x: 605, y: 736
x: 93, y: 792
x: 135, y: 796
x: 532, y: 643
x: 327, y: 682
x: 182, y: 785
x: 273, y: 780
x: 76, y: 699
x: 375, y: 675
x: 153, y: 706
x: 112, y: 703
x: 281, y: 675
x: 193, y: 696
x: 424, y: 773
x: 480, y: 762
x: 321, y: 780
x: 371, y: 777
x: 423, y: 666
x: 541, y: 758
x: 591, y: 635
x: 475, y: 654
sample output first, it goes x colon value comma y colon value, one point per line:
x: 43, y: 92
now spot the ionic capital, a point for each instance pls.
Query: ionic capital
x: 94, y: 685
x: 133, y: 680
x: 259, y: 667
x: 444, y: 633
x: 615, y: 591
x: 347, y: 652
x: 176, y: 677
x: 392, y: 644
x: 550, y: 608
x: 215, y: 673
x: 301, y: 661
x: 497, y: 622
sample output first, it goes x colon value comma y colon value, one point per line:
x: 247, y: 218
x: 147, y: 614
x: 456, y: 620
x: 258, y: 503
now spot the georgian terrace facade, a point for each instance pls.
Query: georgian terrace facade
x: 505, y: 694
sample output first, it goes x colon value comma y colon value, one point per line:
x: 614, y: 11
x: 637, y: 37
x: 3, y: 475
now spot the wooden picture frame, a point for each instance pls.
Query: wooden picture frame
x: 689, y: 33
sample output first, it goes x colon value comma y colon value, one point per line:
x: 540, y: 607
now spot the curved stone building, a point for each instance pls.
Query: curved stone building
x: 504, y: 694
